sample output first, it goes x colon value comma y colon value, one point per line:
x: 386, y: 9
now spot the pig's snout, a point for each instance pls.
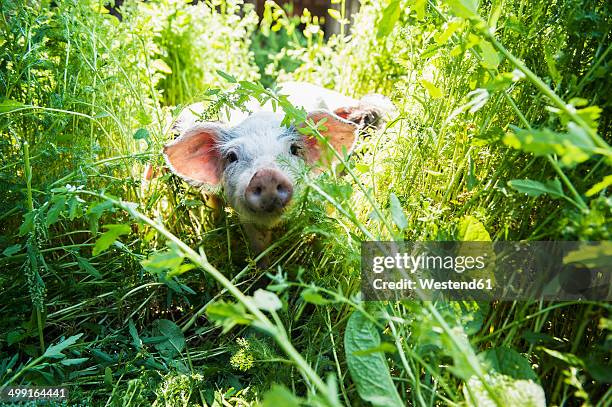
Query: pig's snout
x: 268, y: 191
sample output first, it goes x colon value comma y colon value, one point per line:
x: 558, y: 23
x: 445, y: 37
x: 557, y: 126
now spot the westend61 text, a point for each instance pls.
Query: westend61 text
x: 431, y: 284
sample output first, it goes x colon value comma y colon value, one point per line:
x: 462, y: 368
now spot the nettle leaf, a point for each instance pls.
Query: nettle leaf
x: 369, y: 371
x: 451, y: 28
x: 228, y: 314
x: 173, y: 341
x: 508, y: 362
x: 391, y: 14
x: 397, y: 212
x: 109, y: 237
x: 55, y: 351
x: 227, y: 76
x: 574, y: 147
x: 536, y: 188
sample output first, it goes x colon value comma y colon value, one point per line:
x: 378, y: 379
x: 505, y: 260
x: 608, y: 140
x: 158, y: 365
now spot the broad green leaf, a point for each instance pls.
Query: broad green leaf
x: 280, y: 396
x: 55, y: 351
x: 174, y: 340
x: 370, y: 372
x: 109, y: 237
x: 228, y: 314
x: 391, y: 14
x: 536, y: 188
x: 397, y: 212
x: 28, y: 223
x: 464, y: 8
x: 53, y: 214
x: 433, y: 91
x: 508, y: 362
x: 266, y: 300
x: 472, y: 230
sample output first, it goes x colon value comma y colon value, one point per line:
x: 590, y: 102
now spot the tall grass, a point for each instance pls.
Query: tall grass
x: 135, y: 295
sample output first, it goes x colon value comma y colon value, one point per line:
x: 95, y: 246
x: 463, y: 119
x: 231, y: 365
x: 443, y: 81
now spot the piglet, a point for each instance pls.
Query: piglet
x: 250, y: 155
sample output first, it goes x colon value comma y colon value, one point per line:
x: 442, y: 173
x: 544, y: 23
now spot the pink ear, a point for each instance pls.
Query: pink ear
x: 194, y: 156
x: 340, y: 133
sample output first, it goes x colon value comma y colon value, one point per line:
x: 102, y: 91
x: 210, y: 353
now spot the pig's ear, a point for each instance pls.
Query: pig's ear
x: 372, y: 111
x: 194, y: 156
x: 339, y: 132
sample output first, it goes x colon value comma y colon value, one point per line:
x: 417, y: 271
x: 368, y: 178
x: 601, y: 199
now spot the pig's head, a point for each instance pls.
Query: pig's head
x: 252, y: 161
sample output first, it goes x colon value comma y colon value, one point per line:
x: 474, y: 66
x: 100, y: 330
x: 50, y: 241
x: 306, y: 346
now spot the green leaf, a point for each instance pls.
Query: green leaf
x: 73, y: 361
x: 228, y: 314
x: 280, y: 396
x: 109, y: 237
x: 266, y: 300
x: 85, y: 265
x: 451, y: 28
x: 108, y: 376
x: 472, y: 230
x: 464, y: 8
x: 55, y: 351
x: 370, y: 372
x: 174, y: 340
x: 490, y: 57
x: 397, y: 212
x: 134, y: 334
x: 312, y: 296
x: 536, y: 188
x: 141, y: 134
x: 391, y: 14
x: 335, y: 14
x: 508, y: 362
x: 9, y: 251
x: 433, y: 91
x: 574, y: 147
x: 600, y: 186
x: 419, y: 7
x: 28, y: 223
x: 227, y: 76
x: 8, y: 105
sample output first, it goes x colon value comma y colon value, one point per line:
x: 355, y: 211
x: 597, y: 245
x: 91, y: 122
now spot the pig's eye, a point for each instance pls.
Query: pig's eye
x: 231, y: 157
x: 295, y: 149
